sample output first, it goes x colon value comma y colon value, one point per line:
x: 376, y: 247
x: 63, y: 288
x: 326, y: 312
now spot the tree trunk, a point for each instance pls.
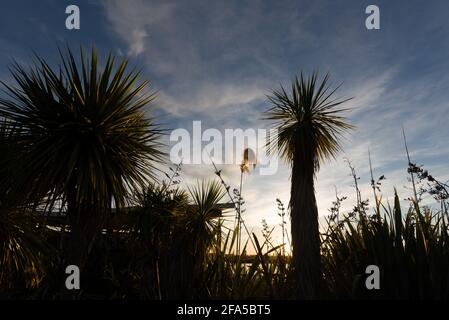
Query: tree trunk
x: 304, y: 225
x: 85, y: 223
x: 83, y: 229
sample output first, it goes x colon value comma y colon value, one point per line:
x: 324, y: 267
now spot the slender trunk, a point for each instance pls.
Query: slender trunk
x: 83, y: 229
x: 85, y: 224
x: 304, y: 226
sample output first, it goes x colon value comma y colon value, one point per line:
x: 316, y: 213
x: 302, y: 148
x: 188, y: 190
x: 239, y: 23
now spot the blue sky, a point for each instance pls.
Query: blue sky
x: 216, y: 61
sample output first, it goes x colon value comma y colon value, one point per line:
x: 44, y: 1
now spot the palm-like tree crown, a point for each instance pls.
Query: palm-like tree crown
x: 202, y: 218
x: 82, y: 129
x: 307, y: 117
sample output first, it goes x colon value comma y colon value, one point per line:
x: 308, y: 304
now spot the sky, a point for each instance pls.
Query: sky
x: 216, y: 61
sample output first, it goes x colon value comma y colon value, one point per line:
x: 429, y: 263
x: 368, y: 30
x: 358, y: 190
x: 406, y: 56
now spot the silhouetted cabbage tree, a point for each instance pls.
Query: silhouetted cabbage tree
x: 83, y: 134
x: 310, y: 124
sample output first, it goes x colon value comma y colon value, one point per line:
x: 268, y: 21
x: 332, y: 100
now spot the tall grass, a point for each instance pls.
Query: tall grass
x: 412, y: 252
x: 173, y: 246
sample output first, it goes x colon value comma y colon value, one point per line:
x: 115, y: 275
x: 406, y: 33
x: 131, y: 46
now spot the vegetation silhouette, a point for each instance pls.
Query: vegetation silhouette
x: 78, y: 165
